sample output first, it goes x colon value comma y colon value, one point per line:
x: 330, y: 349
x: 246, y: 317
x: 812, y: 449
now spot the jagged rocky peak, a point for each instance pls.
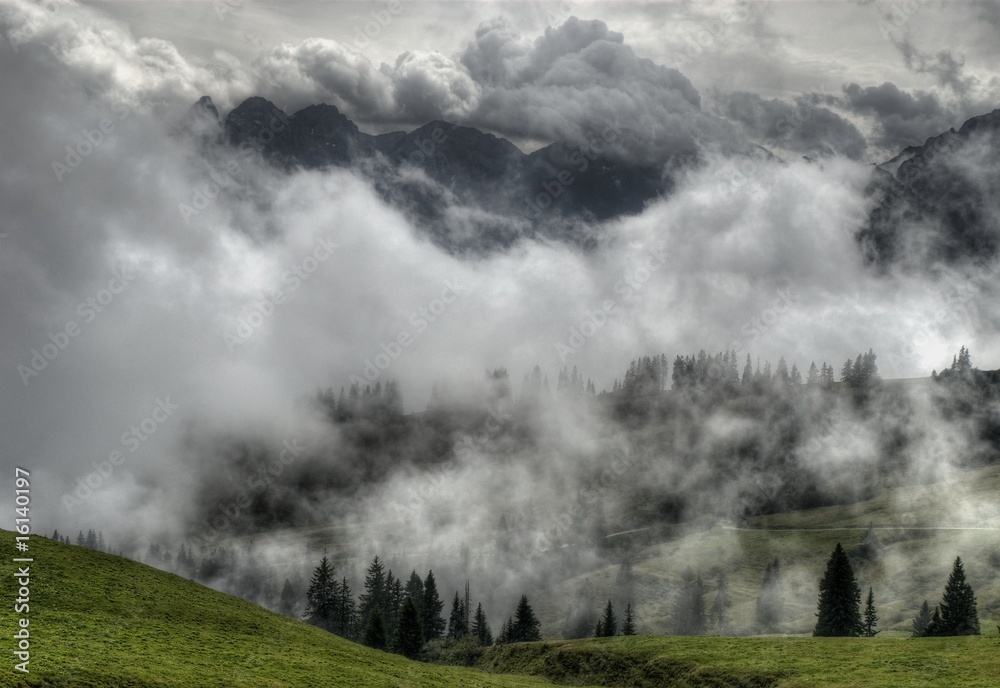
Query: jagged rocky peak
x: 255, y: 119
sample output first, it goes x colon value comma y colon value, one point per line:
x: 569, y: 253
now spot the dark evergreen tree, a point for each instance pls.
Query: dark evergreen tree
x: 958, y: 606
x: 506, y: 632
x: 346, y: 621
x: 374, y: 594
x: 409, y: 635
x: 415, y: 589
x: 375, y: 629
x: 870, y: 621
x: 934, y: 626
x: 321, y: 598
x: 609, y: 622
x: 839, y: 598
x: 481, y: 627
x: 921, y: 620
x: 628, y: 621
x: 431, y: 607
x: 599, y: 628
x: 456, y: 619
x: 526, y: 626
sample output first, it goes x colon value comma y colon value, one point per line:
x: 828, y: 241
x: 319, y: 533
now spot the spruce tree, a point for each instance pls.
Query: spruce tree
x: 609, y: 622
x: 374, y: 594
x: 456, y: 620
x: 599, y: 628
x: 839, y: 598
x: 921, y: 620
x: 688, y: 617
x: 526, y: 627
x: 431, y: 606
x: 345, y: 615
x: 321, y: 598
x: 481, y: 627
x: 871, y: 617
x: 628, y: 621
x: 409, y: 635
x: 718, y: 614
x: 415, y: 589
x: 375, y: 629
x: 958, y: 606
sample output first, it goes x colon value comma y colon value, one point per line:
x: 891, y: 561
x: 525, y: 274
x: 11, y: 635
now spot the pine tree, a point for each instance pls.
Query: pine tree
x: 345, y: 614
x: 609, y: 622
x: 375, y: 629
x: 456, y: 620
x: 812, y: 377
x: 526, y: 626
x: 409, y: 635
x: 599, y: 628
x: 415, y: 589
x: 374, y: 594
x: 321, y: 598
x: 100, y: 541
x: 958, y: 606
x: 770, y: 605
x: 628, y: 621
x: 934, y: 625
x: 921, y: 620
x: 839, y: 598
x: 506, y: 632
x: 688, y: 616
x: 286, y: 601
x: 718, y: 614
x: 481, y: 627
x: 871, y: 617
x: 431, y: 607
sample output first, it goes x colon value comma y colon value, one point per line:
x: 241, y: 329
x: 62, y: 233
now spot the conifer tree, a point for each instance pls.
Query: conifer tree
x: 375, y: 629
x: 526, y: 626
x: 921, y: 620
x: 599, y: 628
x: 870, y: 621
x: 415, y: 589
x: 609, y: 622
x: 456, y: 620
x: 481, y: 627
x: 346, y: 622
x: 321, y: 598
x: 958, y: 606
x: 839, y: 598
x: 688, y: 617
x: 431, y: 606
x: 718, y: 614
x: 409, y: 635
x: 628, y: 621
x: 770, y: 604
x: 374, y: 594
x: 286, y: 600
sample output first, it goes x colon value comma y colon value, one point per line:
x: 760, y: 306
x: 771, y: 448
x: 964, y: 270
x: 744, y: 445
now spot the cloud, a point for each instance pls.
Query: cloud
x: 801, y: 127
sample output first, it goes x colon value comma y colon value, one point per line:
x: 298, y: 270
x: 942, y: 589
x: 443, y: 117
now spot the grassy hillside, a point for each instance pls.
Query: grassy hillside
x: 920, y: 531
x: 102, y: 621
x: 648, y: 662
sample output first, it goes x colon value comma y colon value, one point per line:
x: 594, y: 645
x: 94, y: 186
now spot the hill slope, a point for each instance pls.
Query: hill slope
x: 99, y: 621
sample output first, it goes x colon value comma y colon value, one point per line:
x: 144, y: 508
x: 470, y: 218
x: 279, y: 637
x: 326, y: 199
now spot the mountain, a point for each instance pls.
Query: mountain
x: 429, y: 171
x: 938, y: 202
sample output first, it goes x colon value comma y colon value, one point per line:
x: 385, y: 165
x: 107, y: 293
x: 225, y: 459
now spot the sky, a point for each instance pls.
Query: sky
x: 120, y: 307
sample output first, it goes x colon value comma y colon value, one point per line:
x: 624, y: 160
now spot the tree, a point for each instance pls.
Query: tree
x: 689, y: 606
x: 375, y: 629
x: 921, y: 620
x: 526, y: 626
x: 409, y: 635
x: 628, y: 621
x: 770, y: 603
x: 812, y: 377
x: 321, y: 598
x: 506, y: 632
x: 286, y: 600
x: 481, y: 627
x: 718, y: 613
x: 870, y: 617
x: 958, y: 606
x: 374, y: 594
x: 609, y: 622
x: 415, y: 589
x: 431, y: 607
x: 345, y: 618
x: 839, y: 598
x: 456, y: 620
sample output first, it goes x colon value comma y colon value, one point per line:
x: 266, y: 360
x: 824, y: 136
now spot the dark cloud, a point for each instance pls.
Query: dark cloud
x: 800, y: 127
x: 901, y: 119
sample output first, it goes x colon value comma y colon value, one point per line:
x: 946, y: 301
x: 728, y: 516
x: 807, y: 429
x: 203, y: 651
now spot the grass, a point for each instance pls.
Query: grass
x: 648, y: 661
x: 101, y: 621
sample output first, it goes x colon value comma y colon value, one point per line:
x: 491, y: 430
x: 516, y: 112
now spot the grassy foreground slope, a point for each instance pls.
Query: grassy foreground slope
x: 99, y: 621
x: 651, y: 661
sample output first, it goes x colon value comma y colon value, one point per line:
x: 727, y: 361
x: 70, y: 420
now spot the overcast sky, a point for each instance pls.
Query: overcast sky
x: 744, y: 244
